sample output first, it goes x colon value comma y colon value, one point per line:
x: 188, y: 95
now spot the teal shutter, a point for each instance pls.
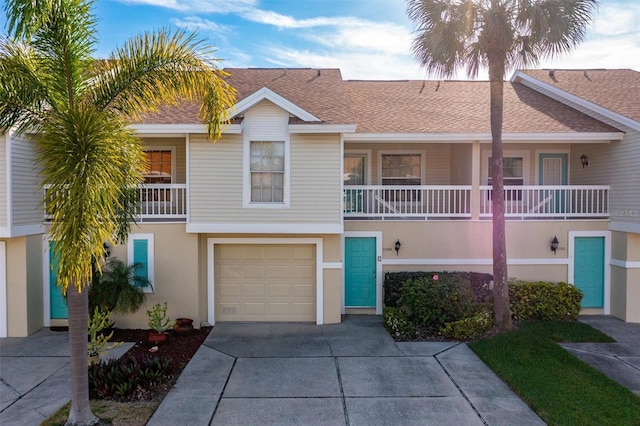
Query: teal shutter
x: 141, y: 258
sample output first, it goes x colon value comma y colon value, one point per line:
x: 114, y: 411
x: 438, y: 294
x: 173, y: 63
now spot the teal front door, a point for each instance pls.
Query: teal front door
x: 589, y: 270
x: 57, y: 302
x: 360, y: 272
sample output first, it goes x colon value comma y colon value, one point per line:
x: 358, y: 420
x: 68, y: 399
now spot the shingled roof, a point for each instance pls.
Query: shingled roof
x: 320, y: 92
x: 459, y: 107
x: 615, y: 90
x: 405, y: 106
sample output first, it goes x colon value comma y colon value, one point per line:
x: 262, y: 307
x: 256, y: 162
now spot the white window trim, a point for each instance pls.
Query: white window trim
x: 367, y: 167
x: 150, y: 254
x: 607, y: 262
x: 526, y: 172
x: 423, y: 163
x: 246, y: 173
x: 173, y: 158
x: 320, y: 266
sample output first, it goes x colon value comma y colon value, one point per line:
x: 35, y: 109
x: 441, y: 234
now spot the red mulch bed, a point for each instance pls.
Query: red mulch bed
x: 180, y: 348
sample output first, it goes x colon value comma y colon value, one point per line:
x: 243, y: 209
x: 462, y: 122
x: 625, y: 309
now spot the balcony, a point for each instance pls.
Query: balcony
x: 157, y: 203
x: 561, y: 202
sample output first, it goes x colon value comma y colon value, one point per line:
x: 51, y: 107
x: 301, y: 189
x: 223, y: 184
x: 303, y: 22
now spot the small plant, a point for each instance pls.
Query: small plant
x: 120, y: 379
x: 469, y: 328
x: 117, y: 288
x: 158, y: 319
x: 98, y: 342
x: 398, y: 324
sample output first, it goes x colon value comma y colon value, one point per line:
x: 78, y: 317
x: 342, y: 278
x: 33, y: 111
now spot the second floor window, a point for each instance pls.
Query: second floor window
x: 159, y: 167
x: 267, y: 171
x: 401, y: 169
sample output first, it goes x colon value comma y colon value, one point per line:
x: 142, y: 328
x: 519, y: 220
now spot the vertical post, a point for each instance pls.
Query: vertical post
x: 475, y: 180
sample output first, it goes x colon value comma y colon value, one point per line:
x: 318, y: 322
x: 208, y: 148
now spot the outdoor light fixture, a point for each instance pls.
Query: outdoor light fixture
x: 107, y: 250
x: 554, y: 245
x: 585, y: 160
x: 397, y: 247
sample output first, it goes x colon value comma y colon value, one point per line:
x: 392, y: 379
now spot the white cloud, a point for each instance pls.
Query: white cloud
x: 199, y: 6
x: 195, y: 23
x: 617, y: 19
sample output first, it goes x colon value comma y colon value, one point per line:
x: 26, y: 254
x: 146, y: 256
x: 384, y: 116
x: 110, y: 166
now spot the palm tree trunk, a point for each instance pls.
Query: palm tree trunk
x: 501, y: 311
x: 80, y: 413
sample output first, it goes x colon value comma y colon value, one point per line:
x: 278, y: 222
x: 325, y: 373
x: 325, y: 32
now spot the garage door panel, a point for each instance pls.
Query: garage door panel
x: 279, y: 290
x: 265, y: 282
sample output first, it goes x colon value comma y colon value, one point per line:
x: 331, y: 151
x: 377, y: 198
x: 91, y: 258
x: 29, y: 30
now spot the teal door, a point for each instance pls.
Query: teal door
x: 553, y: 171
x: 57, y: 302
x: 360, y: 272
x: 589, y: 270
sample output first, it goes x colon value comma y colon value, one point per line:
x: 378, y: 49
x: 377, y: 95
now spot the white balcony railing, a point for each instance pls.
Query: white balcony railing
x: 385, y: 201
x: 156, y: 202
x: 554, y: 202
x: 521, y: 202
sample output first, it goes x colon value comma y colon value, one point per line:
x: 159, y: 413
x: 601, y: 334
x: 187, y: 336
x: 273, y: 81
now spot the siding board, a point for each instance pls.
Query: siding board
x: 25, y: 184
x: 3, y: 181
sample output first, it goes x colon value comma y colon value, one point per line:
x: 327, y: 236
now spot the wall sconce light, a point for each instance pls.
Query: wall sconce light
x: 397, y: 247
x: 554, y: 245
x: 585, y: 160
x: 107, y: 250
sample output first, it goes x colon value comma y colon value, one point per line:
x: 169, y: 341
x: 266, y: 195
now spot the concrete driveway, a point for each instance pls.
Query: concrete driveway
x: 346, y: 374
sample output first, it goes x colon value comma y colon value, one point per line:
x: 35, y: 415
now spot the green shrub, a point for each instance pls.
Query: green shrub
x: 469, y: 328
x: 397, y: 323
x: 393, y: 281
x: 119, y: 378
x: 434, y: 301
x: 544, y: 300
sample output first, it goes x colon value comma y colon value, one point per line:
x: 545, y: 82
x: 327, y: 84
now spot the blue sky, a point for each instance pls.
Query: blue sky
x: 366, y: 39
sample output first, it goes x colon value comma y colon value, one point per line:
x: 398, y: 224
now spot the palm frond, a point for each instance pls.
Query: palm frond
x: 163, y: 68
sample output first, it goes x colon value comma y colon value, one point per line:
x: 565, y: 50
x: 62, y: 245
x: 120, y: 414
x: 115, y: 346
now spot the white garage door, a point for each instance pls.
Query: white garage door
x: 271, y: 282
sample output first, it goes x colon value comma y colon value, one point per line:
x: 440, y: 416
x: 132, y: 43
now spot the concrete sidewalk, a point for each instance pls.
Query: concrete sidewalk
x: 35, y: 378
x: 619, y: 361
x: 347, y: 374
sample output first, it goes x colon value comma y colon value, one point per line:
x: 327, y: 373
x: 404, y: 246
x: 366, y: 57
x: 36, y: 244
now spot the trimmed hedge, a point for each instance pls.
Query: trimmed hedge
x: 478, y: 282
x: 469, y: 328
x: 544, y: 300
x: 434, y: 301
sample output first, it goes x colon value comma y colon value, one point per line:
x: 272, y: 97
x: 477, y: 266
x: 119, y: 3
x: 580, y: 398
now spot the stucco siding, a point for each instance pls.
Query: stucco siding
x: 25, y: 186
x: 3, y: 181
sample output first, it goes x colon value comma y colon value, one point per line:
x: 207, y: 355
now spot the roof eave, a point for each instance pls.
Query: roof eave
x: 582, y: 137
x: 538, y: 85
x: 267, y: 94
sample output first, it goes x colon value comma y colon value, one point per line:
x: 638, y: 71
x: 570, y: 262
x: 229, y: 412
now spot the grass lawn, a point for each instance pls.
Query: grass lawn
x: 559, y: 387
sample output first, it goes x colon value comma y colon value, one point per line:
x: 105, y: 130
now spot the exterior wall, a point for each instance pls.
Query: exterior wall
x: 3, y: 182
x: 461, y: 164
x: 181, y: 154
x: 24, y: 285
x: 176, y: 274
x: 217, y: 182
x: 25, y: 184
x: 450, y: 164
x: 625, y: 276
x: 330, y: 263
x: 467, y: 246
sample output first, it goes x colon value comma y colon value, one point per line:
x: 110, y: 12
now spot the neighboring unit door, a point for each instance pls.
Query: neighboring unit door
x: 360, y: 272
x: 265, y: 282
x: 553, y: 171
x: 58, y: 303
x: 589, y: 270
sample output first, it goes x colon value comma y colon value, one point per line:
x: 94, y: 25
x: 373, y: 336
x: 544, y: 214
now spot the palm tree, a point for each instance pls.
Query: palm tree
x: 79, y: 107
x: 501, y: 35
